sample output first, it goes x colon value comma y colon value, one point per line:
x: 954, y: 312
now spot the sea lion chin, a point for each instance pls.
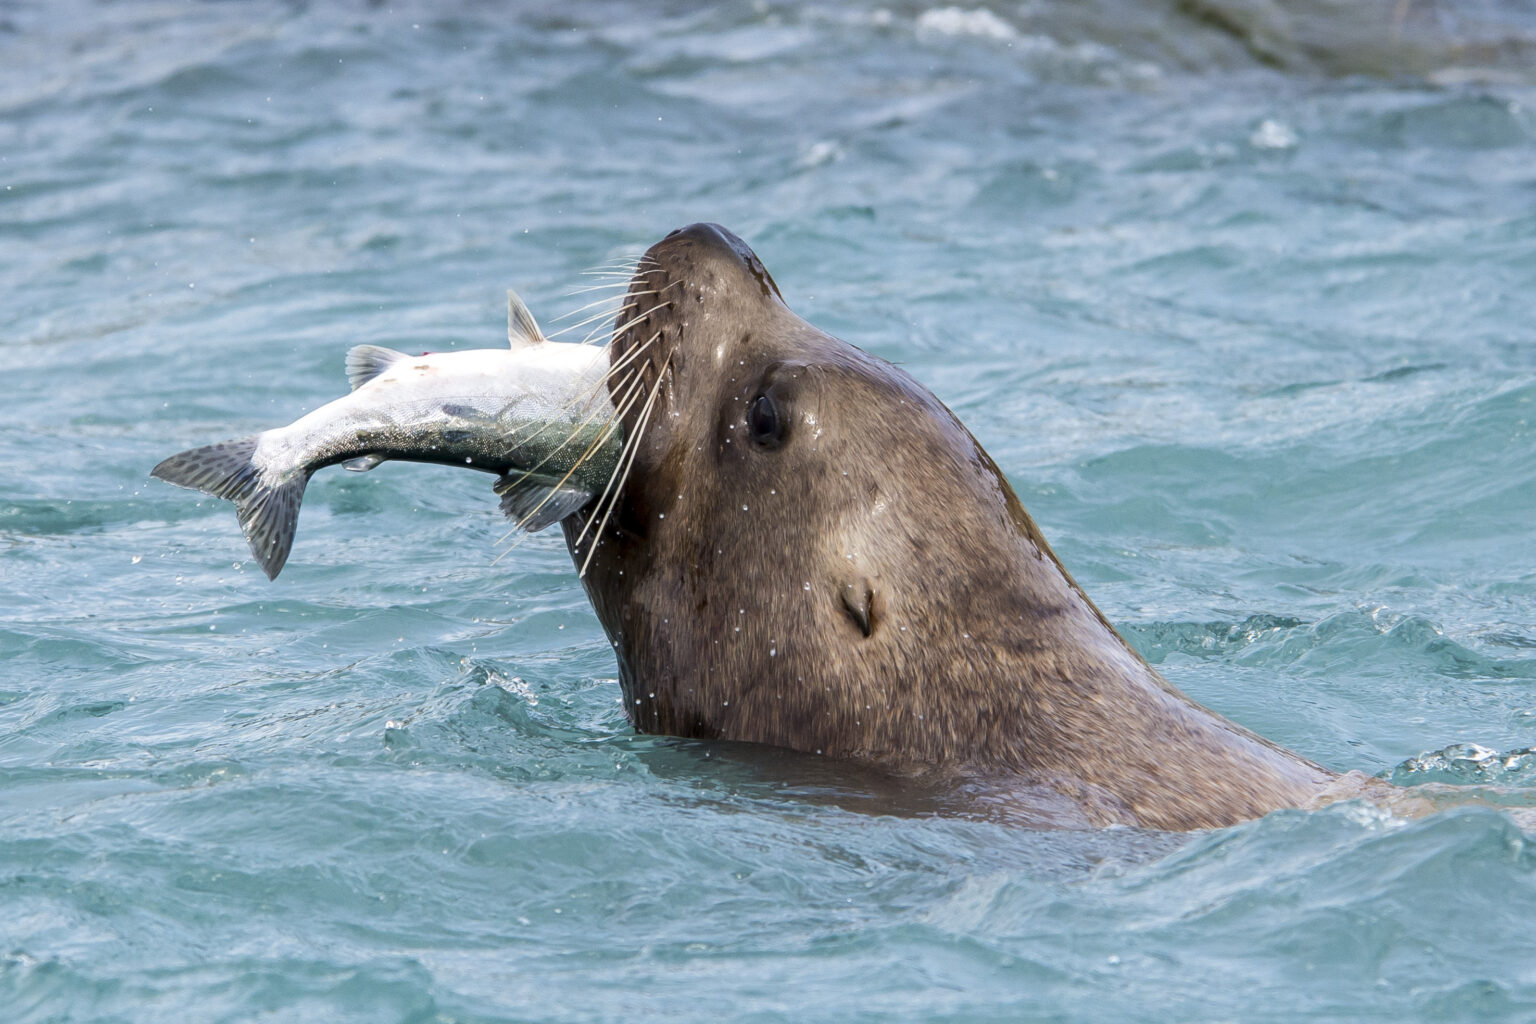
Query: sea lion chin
x: 805, y: 548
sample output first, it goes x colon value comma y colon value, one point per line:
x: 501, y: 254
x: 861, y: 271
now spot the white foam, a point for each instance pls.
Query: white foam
x: 1271, y: 134
x: 956, y: 21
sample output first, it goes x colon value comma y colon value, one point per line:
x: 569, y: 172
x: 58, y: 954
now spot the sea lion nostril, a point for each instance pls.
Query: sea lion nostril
x: 859, y: 602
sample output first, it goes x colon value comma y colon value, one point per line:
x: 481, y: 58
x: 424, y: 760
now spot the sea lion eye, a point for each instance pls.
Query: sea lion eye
x: 764, y: 422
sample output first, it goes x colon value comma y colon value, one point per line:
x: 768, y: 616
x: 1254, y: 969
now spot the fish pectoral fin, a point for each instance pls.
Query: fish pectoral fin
x: 365, y: 362
x: 522, y: 328
x: 362, y: 463
x: 534, y: 502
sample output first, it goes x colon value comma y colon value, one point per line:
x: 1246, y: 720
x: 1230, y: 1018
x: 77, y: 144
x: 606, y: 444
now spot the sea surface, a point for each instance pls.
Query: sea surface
x: 1240, y: 295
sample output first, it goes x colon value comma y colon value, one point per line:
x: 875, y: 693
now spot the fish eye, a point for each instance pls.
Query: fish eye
x: 764, y: 422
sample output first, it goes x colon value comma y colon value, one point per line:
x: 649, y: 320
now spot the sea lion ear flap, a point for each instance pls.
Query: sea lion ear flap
x: 858, y: 600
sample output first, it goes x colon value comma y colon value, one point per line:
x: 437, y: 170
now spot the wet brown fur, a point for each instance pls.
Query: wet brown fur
x: 872, y: 588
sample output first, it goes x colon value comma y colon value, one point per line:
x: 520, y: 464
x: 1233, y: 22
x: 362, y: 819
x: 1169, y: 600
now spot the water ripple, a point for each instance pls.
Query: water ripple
x: 1237, y: 294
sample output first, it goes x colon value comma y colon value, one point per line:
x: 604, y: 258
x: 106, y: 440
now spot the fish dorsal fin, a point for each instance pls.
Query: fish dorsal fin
x: 522, y: 328
x: 366, y: 362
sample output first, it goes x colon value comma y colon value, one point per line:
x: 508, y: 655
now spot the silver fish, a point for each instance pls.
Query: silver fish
x: 537, y: 413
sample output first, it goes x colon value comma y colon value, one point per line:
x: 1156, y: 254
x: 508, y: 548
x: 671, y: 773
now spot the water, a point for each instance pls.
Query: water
x: 1238, y: 295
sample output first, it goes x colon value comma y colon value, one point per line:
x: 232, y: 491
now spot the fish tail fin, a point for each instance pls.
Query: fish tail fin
x: 268, y: 514
x: 225, y: 470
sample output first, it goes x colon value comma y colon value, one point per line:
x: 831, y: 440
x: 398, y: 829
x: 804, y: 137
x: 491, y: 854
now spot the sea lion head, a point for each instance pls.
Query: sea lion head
x: 803, y: 546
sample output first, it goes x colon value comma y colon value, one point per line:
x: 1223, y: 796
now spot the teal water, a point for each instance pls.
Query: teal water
x: 1239, y: 296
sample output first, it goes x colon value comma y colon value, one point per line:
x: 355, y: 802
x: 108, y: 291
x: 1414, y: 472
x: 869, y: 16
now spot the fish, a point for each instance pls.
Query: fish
x: 538, y: 414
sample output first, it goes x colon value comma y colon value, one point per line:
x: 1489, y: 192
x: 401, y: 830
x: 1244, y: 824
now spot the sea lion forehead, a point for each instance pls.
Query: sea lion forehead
x: 701, y: 298
x: 710, y: 254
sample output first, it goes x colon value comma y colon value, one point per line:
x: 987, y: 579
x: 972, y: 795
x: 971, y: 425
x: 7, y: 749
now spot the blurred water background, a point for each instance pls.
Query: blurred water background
x: 1238, y: 293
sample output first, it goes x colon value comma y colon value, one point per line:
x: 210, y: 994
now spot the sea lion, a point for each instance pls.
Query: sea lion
x: 805, y: 548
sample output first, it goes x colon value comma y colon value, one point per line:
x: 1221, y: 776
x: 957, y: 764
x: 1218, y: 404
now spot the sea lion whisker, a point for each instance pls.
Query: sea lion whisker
x: 628, y: 358
x: 619, y: 329
x: 570, y: 436
x: 624, y: 270
x: 605, y: 300
x: 610, y: 298
x: 630, y: 396
x: 614, y: 421
x: 633, y: 446
x: 621, y: 366
x: 609, y: 278
x: 576, y: 429
x: 622, y: 300
x: 602, y: 381
x: 607, y: 286
x: 613, y: 277
x: 617, y: 314
x: 598, y: 323
x: 628, y: 260
x: 632, y: 393
x: 578, y: 400
x: 590, y: 393
x: 596, y: 445
x: 656, y: 291
x: 629, y: 392
x: 599, y: 317
x: 592, y: 335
